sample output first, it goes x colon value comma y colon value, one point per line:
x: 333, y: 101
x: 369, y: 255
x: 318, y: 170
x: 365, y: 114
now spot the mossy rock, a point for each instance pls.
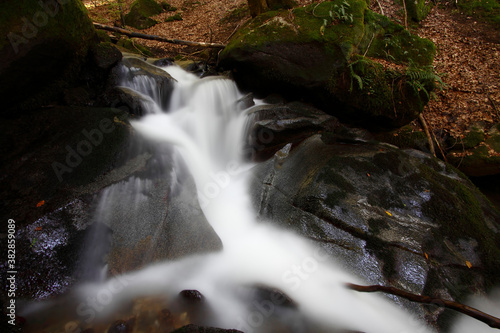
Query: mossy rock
x: 129, y: 45
x: 486, y: 9
x: 479, y: 155
x: 390, y: 41
x: 43, y: 47
x: 405, y: 137
x: 167, y: 7
x: 301, y: 54
x: 173, y: 18
x: 140, y: 14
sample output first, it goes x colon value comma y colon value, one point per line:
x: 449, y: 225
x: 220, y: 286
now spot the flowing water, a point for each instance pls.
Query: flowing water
x: 206, y: 131
x: 206, y: 127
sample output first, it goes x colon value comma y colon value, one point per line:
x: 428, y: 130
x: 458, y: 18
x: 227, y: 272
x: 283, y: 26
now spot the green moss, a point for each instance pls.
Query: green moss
x: 176, y: 17
x: 167, y: 7
x: 388, y: 40
x: 457, y: 207
x: 473, y: 138
x: 304, y: 27
x: 103, y: 36
x: 140, y: 12
x: 131, y: 46
x: 494, y: 142
x: 405, y: 137
x: 489, y: 9
x: 236, y: 14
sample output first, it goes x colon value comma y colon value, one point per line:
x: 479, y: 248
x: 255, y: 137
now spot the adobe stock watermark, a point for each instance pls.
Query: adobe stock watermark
x: 83, y: 148
x: 31, y: 27
x: 89, y: 309
x: 293, y: 277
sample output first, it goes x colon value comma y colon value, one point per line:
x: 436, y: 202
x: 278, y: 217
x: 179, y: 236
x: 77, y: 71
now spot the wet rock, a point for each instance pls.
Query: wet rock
x: 191, y: 328
x: 274, y: 295
x: 192, y: 296
x: 122, y: 326
x: 141, y: 72
x: 277, y: 125
x: 131, y: 101
x: 164, y: 62
x: 396, y: 217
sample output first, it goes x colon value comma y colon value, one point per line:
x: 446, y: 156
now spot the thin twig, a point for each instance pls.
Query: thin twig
x: 423, y: 123
x: 381, y: 9
x: 369, y: 44
x: 493, y: 103
x: 406, y: 14
x: 467, y: 310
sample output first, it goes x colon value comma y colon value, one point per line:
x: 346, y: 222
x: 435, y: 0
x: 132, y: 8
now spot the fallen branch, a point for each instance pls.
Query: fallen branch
x: 427, y: 133
x: 381, y: 9
x: 158, y: 38
x: 467, y: 310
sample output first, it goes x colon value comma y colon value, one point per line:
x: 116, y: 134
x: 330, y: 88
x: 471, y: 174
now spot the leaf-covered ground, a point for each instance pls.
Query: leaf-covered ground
x: 468, y: 56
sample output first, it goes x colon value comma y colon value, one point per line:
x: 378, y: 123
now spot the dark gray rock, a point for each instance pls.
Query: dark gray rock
x: 395, y: 217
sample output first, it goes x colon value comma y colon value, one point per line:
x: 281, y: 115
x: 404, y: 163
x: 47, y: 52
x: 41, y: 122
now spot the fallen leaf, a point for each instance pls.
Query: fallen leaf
x: 388, y: 213
x: 426, y: 255
x: 38, y: 228
x: 41, y: 203
x: 468, y: 264
x: 368, y: 175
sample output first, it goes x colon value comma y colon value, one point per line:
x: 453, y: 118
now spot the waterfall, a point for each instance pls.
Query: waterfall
x: 205, y: 127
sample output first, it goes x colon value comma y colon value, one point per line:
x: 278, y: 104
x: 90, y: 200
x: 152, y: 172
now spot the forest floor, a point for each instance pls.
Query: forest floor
x: 467, y: 58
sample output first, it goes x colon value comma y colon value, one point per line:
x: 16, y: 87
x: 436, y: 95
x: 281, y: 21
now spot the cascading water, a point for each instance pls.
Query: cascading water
x: 204, y: 129
x: 207, y: 129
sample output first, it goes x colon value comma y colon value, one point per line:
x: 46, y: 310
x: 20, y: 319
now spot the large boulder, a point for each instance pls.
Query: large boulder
x: 327, y: 53
x: 140, y: 14
x: 43, y: 47
x: 51, y: 156
x: 395, y: 217
x: 79, y: 188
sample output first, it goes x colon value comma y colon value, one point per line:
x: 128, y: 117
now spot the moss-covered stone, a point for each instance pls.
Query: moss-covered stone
x: 387, y: 40
x: 315, y: 52
x: 405, y: 137
x: 140, y: 14
x: 176, y: 17
x: 480, y: 153
x: 43, y: 47
x: 130, y: 45
x: 167, y: 7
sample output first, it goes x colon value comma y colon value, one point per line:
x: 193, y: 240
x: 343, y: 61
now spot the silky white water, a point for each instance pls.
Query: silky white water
x: 207, y: 129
